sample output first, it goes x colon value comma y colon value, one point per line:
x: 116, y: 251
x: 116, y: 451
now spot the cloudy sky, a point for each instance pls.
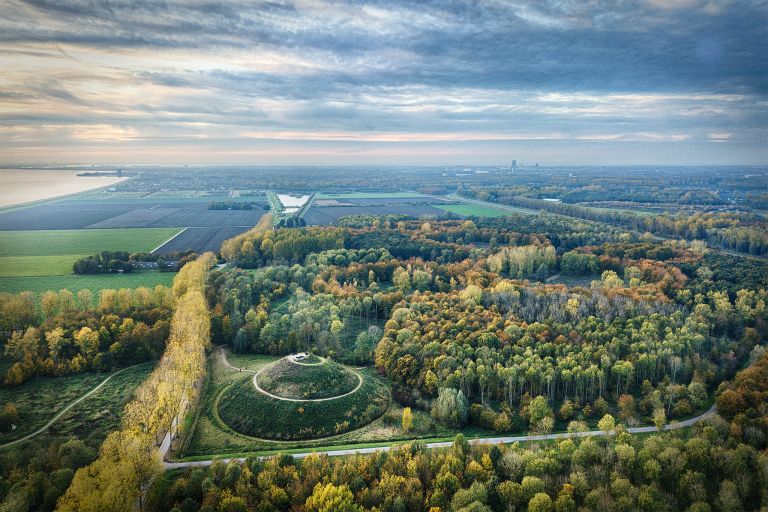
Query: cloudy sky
x: 390, y: 82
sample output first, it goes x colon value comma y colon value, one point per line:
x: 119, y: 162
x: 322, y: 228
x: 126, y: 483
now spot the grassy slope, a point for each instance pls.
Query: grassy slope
x: 290, y: 380
x: 252, y: 413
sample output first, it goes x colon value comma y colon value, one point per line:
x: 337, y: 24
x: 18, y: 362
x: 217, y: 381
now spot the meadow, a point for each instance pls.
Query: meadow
x: 40, y: 399
x: 320, y: 380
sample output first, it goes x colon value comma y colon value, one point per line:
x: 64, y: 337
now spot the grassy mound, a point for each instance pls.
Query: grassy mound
x: 252, y: 413
x: 307, y: 381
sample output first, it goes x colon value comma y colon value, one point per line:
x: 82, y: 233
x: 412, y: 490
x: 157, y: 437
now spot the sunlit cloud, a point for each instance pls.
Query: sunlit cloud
x: 91, y: 82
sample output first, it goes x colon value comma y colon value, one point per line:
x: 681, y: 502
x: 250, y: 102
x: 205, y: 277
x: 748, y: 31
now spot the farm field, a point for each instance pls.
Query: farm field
x: 473, y: 210
x: 81, y: 241
x: 180, y: 217
x: 106, y: 213
x: 95, y: 283
x: 52, y: 253
x: 38, y: 400
x: 327, y: 215
x: 200, y: 239
x: 27, y: 266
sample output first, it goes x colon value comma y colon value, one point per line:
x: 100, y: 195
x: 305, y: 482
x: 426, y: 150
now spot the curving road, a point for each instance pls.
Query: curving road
x: 445, y: 444
x: 68, y: 407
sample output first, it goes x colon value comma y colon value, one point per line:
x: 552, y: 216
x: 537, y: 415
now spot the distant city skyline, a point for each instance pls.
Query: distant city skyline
x: 649, y: 82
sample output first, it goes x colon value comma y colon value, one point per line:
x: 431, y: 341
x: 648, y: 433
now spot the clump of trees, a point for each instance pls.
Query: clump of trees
x: 107, y: 262
x: 262, y: 245
x: 70, y: 335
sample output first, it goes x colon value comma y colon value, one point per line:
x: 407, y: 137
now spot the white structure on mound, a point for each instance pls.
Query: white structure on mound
x: 300, y: 356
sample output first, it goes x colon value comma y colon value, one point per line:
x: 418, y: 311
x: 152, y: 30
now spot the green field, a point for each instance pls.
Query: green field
x: 473, y: 210
x: 73, y: 283
x: 368, y: 195
x: 23, y: 266
x: 81, y: 241
x: 39, y: 399
x: 52, y: 253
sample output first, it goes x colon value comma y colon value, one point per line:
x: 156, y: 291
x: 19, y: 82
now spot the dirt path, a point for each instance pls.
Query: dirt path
x: 68, y: 407
x: 276, y: 397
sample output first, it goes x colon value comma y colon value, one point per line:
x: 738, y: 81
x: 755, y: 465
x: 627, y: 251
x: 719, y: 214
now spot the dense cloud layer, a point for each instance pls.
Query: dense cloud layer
x: 676, y: 81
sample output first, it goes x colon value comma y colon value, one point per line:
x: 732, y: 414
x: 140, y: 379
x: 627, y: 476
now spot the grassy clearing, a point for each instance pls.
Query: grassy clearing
x: 74, y: 283
x: 81, y: 241
x: 38, y: 400
x: 368, y: 195
x: 290, y: 380
x: 473, y: 210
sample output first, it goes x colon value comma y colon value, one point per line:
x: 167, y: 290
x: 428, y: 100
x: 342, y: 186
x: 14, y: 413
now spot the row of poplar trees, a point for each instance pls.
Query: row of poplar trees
x: 129, y: 458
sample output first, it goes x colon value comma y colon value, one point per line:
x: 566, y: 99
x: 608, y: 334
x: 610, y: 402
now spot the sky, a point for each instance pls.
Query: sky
x: 395, y: 82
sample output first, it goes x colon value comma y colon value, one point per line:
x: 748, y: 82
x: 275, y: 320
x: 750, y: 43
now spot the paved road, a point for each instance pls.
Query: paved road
x: 446, y: 444
x: 68, y: 407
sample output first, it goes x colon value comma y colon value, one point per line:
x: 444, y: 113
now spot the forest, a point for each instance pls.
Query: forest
x: 573, y: 321
x: 720, y: 465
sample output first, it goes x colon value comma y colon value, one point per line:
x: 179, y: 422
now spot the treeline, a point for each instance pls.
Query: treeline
x: 727, y: 230
x: 71, y: 336
x: 128, y: 459
x: 262, y: 246
x: 123, y: 261
x: 719, y: 466
x: 237, y: 205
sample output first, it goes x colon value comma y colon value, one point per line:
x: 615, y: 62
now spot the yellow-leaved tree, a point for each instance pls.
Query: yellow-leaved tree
x: 129, y: 458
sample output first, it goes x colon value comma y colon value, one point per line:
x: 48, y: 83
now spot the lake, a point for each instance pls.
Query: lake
x: 18, y: 186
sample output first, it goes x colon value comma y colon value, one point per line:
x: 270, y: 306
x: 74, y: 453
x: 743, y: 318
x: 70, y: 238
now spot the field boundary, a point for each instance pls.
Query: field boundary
x: 174, y: 236
x: 69, y: 406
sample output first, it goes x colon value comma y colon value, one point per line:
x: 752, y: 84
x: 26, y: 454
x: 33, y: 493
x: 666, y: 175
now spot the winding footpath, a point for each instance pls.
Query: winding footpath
x: 68, y: 407
x: 276, y: 397
x: 442, y: 444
